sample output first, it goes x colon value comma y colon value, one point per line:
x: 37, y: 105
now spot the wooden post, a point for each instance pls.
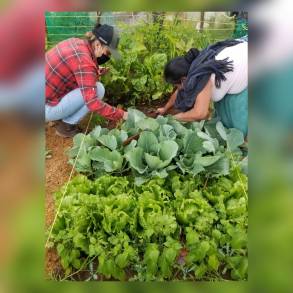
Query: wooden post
x: 201, y: 21
x: 99, y: 14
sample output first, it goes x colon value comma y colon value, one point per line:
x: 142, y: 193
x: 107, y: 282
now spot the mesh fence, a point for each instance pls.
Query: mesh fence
x: 63, y: 25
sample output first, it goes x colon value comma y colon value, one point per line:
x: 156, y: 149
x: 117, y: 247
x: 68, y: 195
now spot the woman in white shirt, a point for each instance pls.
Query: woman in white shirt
x: 218, y: 73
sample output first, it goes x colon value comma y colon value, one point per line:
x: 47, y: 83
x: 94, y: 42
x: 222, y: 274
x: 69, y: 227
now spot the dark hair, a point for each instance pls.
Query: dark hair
x: 178, y: 67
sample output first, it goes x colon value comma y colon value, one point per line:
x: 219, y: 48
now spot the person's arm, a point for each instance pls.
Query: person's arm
x: 200, y: 110
x: 169, y: 104
x: 86, y: 78
x: 171, y: 101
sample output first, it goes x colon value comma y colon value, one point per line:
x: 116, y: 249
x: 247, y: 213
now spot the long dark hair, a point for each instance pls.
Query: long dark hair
x: 178, y: 67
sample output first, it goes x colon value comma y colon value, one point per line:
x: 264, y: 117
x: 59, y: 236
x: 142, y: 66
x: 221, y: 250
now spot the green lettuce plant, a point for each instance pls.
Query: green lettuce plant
x: 178, y: 227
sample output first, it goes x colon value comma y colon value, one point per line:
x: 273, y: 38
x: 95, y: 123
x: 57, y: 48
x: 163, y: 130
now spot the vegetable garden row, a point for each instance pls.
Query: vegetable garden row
x: 159, y: 200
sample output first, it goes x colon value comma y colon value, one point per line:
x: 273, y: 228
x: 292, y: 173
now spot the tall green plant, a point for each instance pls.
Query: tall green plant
x: 145, y: 49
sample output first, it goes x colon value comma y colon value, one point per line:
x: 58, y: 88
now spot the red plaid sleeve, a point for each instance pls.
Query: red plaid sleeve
x: 86, y: 78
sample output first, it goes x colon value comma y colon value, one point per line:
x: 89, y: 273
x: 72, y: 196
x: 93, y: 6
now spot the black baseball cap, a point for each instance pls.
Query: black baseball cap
x: 108, y: 36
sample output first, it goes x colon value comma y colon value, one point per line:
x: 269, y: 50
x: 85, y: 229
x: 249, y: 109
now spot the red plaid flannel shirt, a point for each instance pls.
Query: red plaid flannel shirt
x: 70, y: 65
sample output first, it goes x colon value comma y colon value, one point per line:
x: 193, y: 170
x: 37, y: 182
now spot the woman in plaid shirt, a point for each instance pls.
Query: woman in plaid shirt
x: 72, y: 74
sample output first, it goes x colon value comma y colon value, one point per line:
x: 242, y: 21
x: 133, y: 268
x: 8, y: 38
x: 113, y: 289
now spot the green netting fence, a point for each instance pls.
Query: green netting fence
x: 64, y: 25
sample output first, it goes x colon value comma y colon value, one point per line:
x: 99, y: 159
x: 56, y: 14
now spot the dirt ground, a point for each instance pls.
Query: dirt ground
x: 57, y: 174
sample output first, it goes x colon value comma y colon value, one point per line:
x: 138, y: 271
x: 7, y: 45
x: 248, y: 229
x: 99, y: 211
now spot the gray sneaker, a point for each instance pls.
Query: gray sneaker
x: 64, y: 129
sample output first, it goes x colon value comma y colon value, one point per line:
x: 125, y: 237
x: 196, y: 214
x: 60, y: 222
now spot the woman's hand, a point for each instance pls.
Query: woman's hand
x: 161, y: 111
x: 169, y: 105
x: 125, y: 115
x: 103, y: 70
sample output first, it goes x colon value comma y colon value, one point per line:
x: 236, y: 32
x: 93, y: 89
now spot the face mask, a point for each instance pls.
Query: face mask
x: 103, y: 59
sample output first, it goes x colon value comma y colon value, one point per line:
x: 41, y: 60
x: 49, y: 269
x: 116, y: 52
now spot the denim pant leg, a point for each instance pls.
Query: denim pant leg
x: 76, y: 117
x: 71, y: 109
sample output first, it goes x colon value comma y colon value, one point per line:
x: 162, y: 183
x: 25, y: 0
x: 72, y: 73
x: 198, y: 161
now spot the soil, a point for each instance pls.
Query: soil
x: 57, y: 173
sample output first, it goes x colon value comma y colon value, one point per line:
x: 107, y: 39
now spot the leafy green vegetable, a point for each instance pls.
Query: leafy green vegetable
x: 147, y: 232
x: 145, y: 49
x: 108, y: 141
x: 162, y: 145
x: 112, y: 160
x: 151, y: 257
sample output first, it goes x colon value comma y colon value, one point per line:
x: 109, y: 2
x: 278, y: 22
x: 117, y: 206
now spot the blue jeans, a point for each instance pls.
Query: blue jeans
x: 72, y: 108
